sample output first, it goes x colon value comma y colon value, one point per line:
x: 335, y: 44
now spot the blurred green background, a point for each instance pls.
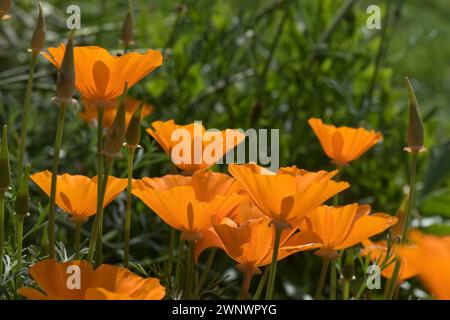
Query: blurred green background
x: 258, y: 64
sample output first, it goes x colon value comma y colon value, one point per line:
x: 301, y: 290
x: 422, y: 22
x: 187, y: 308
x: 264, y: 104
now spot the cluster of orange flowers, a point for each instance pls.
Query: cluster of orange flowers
x: 255, y: 216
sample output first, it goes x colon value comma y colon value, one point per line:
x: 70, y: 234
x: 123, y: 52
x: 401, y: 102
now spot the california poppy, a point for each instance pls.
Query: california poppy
x: 188, y: 203
x: 198, y: 151
x: 377, y: 251
x: 90, y: 114
x: 251, y: 243
x: 288, y: 195
x: 76, y: 194
x: 343, y: 144
x: 431, y: 257
x: 100, y: 76
x: 343, y: 227
x: 77, y: 280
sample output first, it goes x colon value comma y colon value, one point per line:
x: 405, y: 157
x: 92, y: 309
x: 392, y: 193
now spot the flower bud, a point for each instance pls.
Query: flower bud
x: 5, y: 170
x: 133, y: 135
x: 38, y: 39
x: 22, y: 204
x: 116, y: 134
x: 5, y: 6
x: 65, y: 83
x: 127, y: 28
x: 415, y: 126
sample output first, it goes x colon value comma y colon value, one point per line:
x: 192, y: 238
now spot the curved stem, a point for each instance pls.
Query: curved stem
x: 55, y: 169
x: 190, y: 271
x: 209, y: 261
x: 126, y: 255
x: 246, y: 282
x: 333, y: 280
x: 323, y: 275
x: 262, y: 283
x: 273, y: 266
x: 26, y: 108
x: 2, y: 223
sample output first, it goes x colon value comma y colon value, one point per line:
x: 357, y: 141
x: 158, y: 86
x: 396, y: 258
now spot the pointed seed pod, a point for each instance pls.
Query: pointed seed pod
x: 5, y: 169
x: 22, y: 204
x: 415, y: 126
x: 116, y: 134
x: 133, y: 135
x: 127, y: 28
x: 65, y: 83
x: 38, y: 39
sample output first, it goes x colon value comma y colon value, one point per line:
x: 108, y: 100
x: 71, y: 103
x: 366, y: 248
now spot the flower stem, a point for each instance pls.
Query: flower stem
x: 19, y: 237
x: 26, y: 108
x: 406, y: 223
x: 77, y: 239
x: 246, y: 282
x: 261, y: 284
x: 323, y: 275
x: 273, y: 266
x: 346, y: 289
x: 100, y: 175
x: 171, y: 251
x: 55, y: 169
x: 2, y: 223
x: 333, y: 280
x: 209, y: 261
x: 190, y: 271
x: 126, y: 255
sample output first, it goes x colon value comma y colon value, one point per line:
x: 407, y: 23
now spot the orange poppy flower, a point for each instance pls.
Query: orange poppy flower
x: 188, y: 203
x: 343, y: 227
x: 100, y: 76
x: 90, y: 114
x: 76, y: 194
x: 77, y: 280
x: 377, y: 252
x: 250, y: 244
x: 344, y: 144
x: 288, y: 195
x: 431, y: 257
x: 165, y: 133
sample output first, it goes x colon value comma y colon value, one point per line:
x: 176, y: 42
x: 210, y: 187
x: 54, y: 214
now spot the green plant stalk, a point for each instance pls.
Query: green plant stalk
x: 406, y: 223
x: 204, y: 275
x: 55, y: 169
x: 77, y: 239
x: 171, y: 251
x: 273, y: 266
x: 26, y: 109
x: 333, y: 280
x: 126, y: 255
x: 323, y: 275
x: 178, y: 277
x: 19, y: 238
x: 190, y: 271
x: 246, y: 282
x: 2, y: 226
x: 261, y: 284
x: 346, y: 290
x: 100, y: 176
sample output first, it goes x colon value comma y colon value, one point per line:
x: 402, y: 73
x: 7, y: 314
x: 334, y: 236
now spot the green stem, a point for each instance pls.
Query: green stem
x: 246, y: 282
x: 2, y: 223
x: 26, y: 108
x: 77, y: 239
x: 406, y: 223
x: 55, y: 169
x: 323, y: 275
x: 172, y: 239
x: 209, y: 261
x: 126, y: 255
x: 346, y: 289
x: 100, y: 164
x: 333, y: 280
x: 361, y: 290
x: 178, y: 276
x: 190, y: 270
x: 273, y: 266
x: 19, y: 235
x: 261, y: 284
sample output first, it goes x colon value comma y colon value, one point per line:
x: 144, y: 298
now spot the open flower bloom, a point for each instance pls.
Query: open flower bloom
x: 288, y: 195
x: 343, y: 227
x: 377, y: 251
x: 431, y: 257
x: 100, y: 76
x: 188, y: 203
x: 251, y: 243
x: 76, y: 194
x: 191, y: 147
x: 77, y: 280
x: 90, y: 114
x: 344, y: 144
